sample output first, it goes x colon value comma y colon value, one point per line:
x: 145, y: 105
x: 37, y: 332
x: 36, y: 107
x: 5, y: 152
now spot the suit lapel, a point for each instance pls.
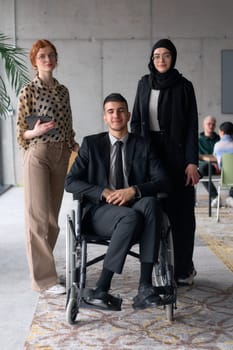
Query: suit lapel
x: 104, y: 150
x: 130, y: 149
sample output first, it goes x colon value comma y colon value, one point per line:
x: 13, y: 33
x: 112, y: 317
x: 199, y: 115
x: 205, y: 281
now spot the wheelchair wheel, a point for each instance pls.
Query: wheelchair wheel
x: 72, y: 307
x: 170, y: 312
x: 164, y: 269
x: 70, y: 250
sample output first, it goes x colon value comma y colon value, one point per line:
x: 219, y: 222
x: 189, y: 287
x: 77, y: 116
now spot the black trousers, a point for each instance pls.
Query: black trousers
x: 180, y: 203
x: 180, y: 209
x: 126, y: 225
x: 204, y: 170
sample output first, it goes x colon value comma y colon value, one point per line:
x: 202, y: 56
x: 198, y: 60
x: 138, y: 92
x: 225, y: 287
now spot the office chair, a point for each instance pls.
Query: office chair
x: 226, y: 177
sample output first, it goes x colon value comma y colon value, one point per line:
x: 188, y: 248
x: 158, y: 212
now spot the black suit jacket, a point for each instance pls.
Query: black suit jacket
x: 89, y: 175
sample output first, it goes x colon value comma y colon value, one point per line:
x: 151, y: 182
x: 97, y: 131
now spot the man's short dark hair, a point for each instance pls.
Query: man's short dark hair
x: 227, y: 128
x: 115, y: 97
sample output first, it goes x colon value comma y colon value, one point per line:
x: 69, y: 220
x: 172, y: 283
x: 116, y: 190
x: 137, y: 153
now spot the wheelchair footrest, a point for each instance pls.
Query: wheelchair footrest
x: 106, y: 302
x: 167, y: 293
x: 165, y: 290
x: 169, y: 299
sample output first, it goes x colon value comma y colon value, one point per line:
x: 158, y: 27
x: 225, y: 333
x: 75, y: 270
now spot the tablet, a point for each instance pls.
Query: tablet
x: 32, y: 119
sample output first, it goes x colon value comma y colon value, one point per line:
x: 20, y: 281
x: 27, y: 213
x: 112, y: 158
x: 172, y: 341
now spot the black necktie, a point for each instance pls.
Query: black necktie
x: 119, y: 176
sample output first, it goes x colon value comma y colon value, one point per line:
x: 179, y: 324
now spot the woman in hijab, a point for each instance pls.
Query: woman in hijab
x: 165, y: 110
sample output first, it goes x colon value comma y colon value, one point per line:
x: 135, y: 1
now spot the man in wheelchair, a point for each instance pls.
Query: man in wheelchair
x: 120, y: 182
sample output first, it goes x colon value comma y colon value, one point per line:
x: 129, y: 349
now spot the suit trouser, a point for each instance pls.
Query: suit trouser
x: 180, y: 209
x: 127, y: 225
x: 45, y: 167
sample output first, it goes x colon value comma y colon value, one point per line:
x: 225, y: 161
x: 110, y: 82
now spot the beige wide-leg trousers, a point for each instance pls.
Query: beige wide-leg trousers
x: 45, y: 167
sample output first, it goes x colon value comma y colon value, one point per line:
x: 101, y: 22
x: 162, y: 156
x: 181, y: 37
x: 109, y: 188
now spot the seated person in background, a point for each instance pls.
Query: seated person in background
x: 207, y: 139
x: 225, y: 145
x: 128, y: 211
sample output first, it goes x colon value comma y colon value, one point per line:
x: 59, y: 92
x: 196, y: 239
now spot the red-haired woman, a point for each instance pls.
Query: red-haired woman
x: 47, y: 147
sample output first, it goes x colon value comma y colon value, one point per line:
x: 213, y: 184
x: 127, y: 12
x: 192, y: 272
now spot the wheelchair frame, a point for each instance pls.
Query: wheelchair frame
x: 76, y: 264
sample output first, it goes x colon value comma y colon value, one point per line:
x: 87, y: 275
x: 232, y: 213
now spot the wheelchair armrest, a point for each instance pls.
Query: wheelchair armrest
x: 161, y: 195
x: 78, y: 197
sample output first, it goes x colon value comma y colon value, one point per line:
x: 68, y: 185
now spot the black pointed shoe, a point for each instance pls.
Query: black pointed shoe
x: 102, y: 300
x: 147, y: 297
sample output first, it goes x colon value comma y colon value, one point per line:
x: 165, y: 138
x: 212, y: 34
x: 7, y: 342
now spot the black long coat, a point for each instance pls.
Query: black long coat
x: 181, y: 147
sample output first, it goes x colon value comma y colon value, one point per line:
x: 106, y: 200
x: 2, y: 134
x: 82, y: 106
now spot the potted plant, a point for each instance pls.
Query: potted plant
x: 16, y: 72
x: 12, y: 63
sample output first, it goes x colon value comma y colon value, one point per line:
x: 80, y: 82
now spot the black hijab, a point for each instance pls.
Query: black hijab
x: 170, y: 112
x: 165, y: 80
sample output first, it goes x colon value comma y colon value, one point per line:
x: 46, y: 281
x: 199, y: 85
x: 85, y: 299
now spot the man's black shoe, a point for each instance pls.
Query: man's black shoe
x: 147, y: 297
x: 102, y: 300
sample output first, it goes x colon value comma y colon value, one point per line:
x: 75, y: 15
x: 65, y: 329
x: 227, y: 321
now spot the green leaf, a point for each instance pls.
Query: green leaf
x: 13, y: 59
x: 4, y: 99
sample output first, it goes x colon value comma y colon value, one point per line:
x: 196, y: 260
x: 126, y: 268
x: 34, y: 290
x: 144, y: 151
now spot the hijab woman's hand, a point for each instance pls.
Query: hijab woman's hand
x: 192, y: 175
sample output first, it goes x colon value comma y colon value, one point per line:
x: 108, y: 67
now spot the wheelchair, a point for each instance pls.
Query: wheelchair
x: 77, y: 241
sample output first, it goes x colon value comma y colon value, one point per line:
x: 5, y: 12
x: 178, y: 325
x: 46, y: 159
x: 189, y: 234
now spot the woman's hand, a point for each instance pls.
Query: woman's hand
x: 39, y: 129
x: 192, y: 175
x: 76, y: 147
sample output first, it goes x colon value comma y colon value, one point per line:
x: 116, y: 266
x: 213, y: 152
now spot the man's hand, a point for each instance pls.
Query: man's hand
x: 119, y: 197
x: 192, y: 175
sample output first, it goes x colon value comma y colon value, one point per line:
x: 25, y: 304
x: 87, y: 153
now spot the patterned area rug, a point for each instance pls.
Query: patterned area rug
x: 222, y: 247
x: 217, y: 235
x: 203, y: 318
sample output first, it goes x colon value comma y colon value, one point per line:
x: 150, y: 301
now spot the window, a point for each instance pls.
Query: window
x: 227, y: 81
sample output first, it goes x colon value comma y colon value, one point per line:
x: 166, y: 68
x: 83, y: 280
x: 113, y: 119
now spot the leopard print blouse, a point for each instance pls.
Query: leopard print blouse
x: 38, y: 99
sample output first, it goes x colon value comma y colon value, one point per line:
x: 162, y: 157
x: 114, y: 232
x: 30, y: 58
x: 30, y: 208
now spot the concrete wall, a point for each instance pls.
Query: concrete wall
x: 104, y: 46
